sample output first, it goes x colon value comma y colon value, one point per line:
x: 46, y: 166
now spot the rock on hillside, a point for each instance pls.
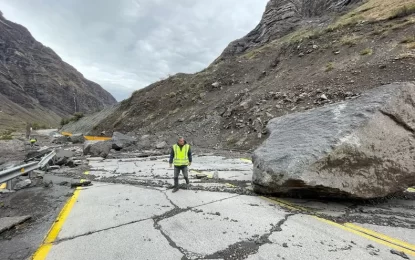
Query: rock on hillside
x: 282, y: 17
x: 363, y: 148
x: 343, y: 52
x: 36, y: 85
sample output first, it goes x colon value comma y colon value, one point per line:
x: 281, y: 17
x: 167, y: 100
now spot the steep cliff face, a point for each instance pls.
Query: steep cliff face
x: 282, y: 17
x: 304, y: 54
x: 36, y: 85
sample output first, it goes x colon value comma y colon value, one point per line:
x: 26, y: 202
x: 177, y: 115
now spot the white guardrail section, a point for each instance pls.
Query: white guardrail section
x: 14, y: 172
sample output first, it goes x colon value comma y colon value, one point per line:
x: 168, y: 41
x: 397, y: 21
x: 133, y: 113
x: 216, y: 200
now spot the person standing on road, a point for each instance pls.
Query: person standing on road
x: 181, y: 157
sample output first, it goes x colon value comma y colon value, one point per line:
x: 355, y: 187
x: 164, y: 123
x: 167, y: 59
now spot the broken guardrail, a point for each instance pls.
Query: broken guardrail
x: 9, y: 174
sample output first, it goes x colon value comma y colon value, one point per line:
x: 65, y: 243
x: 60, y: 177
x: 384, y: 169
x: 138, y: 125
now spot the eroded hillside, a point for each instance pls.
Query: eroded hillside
x: 324, y: 55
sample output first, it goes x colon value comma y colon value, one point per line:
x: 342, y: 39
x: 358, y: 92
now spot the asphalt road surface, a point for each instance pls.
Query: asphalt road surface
x: 130, y: 212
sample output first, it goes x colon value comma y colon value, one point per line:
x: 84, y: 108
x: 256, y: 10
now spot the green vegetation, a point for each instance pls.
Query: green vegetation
x: 74, y: 118
x: 329, y: 66
x: 38, y: 126
x: 6, y: 135
x: 403, y: 11
x: 367, y: 51
x: 411, y: 46
x: 350, y: 40
x: 410, y: 39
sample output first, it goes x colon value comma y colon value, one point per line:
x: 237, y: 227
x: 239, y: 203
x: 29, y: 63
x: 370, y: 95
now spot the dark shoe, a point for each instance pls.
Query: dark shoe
x: 175, y: 189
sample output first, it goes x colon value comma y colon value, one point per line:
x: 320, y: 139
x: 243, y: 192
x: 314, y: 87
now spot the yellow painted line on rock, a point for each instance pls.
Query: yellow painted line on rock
x: 357, y: 230
x: 3, y: 186
x: 66, y: 134
x: 97, y: 138
x: 411, y: 189
x: 42, y: 252
x: 246, y: 160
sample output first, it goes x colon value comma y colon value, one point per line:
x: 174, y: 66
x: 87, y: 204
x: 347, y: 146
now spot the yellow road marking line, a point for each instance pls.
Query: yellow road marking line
x: 363, y: 232
x: 279, y: 203
x: 230, y: 185
x: 411, y: 189
x: 3, y: 186
x: 384, y: 242
x: 97, y: 138
x: 53, y: 233
x: 381, y: 236
x: 246, y: 160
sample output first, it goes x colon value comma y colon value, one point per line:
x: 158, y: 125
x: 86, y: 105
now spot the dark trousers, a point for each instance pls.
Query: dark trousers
x: 177, y: 170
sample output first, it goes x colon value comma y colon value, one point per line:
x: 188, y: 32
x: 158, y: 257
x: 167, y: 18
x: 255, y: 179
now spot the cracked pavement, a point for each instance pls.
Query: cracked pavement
x: 130, y: 212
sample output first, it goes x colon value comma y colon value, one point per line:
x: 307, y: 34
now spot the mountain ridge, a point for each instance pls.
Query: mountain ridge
x: 228, y: 105
x: 37, y: 86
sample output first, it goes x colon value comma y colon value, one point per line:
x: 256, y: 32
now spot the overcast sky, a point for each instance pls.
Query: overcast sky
x: 125, y: 45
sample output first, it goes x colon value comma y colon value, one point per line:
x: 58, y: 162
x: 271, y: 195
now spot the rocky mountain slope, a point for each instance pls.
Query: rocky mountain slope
x: 37, y: 86
x: 304, y: 54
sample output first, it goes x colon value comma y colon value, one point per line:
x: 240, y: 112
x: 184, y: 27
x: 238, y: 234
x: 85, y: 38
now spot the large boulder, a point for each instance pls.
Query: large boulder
x: 161, y: 145
x: 61, y: 139
x: 98, y: 149
x: 363, y: 148
x: 77, y: 139
x: 63, y: 157
x: 120, y: 141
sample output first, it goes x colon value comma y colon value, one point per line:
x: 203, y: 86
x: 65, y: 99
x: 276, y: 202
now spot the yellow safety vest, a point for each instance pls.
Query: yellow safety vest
x: 180, y: 155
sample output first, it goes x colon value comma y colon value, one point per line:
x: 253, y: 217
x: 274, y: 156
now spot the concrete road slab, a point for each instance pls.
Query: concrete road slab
x: 212, y: 163
x: 189, y: 198
x: 108, y: 206
x: 9, y: 222
x: 107, y: 165
x: 305, y: 237
x: 216, y: 226
x: 229, y: 175
x: 404, y: 234
x: 135, y: 241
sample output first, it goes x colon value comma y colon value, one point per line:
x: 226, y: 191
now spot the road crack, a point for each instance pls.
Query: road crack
x: 243, y: 249
x: 98, y: 231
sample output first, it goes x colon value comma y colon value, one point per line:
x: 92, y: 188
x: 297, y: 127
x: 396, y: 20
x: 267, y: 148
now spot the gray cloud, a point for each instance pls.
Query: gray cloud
x: 125, y: 45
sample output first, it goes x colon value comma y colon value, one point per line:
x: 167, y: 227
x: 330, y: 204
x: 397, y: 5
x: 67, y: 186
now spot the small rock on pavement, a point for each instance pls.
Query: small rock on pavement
x: 38, y: 173
x: 401, y: 254
x: 323, y: 97
x: 80, y: 184
x: 22, y: 184
x: 285, y: 245
x: 48, y: 184
x: 161, y: 145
